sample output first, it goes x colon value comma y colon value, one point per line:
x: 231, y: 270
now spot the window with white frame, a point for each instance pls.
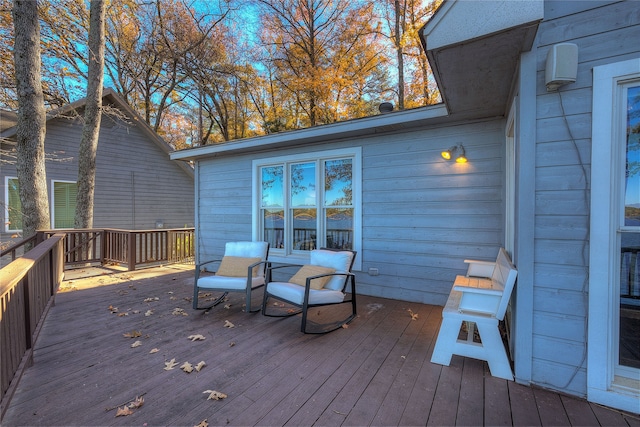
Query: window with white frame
x: 64, y: 204
x: 309, y: 201
x: 614, y: 274
x: 13, y: 208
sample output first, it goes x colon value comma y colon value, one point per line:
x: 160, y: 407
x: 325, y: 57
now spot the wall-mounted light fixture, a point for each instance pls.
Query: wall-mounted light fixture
x: 451, y: 153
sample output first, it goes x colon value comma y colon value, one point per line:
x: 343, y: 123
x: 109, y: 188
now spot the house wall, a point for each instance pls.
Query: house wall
x: 604, y: 32
x: 422, y: 216
x: 136, y: 182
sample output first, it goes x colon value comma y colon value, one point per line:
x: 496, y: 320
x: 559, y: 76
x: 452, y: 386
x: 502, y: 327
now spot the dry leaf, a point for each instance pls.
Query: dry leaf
x: 202, y: 423
x: 187, y: 367
x: 227, y: 306
x: 148, y: 313
x: 151, y: 299
x: 113, y: 309
x: 136, y: 344
x: 215, y: 395
x: 123, y: 314
x: 154, y: 350
x: 136, y: 311
x: 232, y: 343
x: 170, y: 364
x: 179, y: 312
x: 228, y: 324
x: 132, y: 334
x: 173, y: 298
x: 137, y: 403
x: 414, y: 316
x: 196, y: 337
x: 124, y: 411
x: 345, y: 326
x: 200, y: 365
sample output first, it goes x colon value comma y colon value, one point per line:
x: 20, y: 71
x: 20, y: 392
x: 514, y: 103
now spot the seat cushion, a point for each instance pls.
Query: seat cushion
x: 235, y: 266
x: 228, y: 283
x: 300, y: 278
x: 338, y: 260
x: 295, y: 293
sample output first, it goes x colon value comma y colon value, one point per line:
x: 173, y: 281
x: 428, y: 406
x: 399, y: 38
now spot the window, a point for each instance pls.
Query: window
x: 614, y: 282
x: 304, y: 202
x: 13, y: 210
x: 64, y: 204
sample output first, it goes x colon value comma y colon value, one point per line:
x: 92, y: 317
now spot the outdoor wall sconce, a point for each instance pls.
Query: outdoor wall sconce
x: 449, y: 154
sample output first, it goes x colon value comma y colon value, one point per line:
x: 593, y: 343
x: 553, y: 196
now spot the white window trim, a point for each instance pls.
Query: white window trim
x: 602, y: 385
x: 356, y: 154
x: 53, y: 201
x: 6, y: 205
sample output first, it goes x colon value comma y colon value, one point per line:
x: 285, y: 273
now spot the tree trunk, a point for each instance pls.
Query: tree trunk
x: 92, y: 117
x: 31, y: 128
x: 399, y: 13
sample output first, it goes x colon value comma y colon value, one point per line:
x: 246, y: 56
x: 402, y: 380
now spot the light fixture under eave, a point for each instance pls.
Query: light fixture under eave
x: 449, y: 154
x: 462, y: 158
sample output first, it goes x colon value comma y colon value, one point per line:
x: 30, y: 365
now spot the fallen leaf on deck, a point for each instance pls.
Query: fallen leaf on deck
x: 345, y: 326
x: 215, y: 395
x: 414, y: 316
x: 173, y: 298
x: 123, y: 314
x: 179, y: 312
x: 196, y: 337
x: 200, y: 365
x: 137, y: 403
x: 132, y: 334
x: 187, y: 367
x: 123, y: 412
x: 136, y: 344
x: 227, y: 306
x: 170, y: 364
x: 113, y: 309
x: 148, y: 313
x: 154, y: 350
x: 232, y: 343
x: 170, y: 292
x: 202, y: 423
x: 151, y: 299
x: 136, y: 311
x: 228, y: 324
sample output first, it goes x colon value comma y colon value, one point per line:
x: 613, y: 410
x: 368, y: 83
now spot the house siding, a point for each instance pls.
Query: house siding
x: 421, y: 216
x: 136, y: 182
x: 604, y: 32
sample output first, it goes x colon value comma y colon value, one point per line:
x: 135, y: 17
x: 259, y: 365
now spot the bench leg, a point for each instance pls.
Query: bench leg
x: 490, y: 350
x: 495, y: 354
x: 446, y: 341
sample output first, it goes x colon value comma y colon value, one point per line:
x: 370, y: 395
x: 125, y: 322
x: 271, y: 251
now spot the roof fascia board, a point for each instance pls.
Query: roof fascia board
x: 351, y: 128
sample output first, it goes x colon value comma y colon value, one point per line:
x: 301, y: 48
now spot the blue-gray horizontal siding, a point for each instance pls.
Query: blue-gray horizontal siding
x: 421, y: 216
x: 136, y: 182
x: 602, y: 31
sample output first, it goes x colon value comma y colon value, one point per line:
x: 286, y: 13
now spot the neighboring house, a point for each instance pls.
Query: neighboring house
x: 545, y: 178
x: 137, y: 186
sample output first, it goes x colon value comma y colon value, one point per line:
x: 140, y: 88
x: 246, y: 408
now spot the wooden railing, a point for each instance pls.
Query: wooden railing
x: 133, y: 248
x: 27, y: 289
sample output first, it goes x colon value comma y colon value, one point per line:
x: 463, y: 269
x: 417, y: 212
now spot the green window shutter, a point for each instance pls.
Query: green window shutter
x: 64, y: 205
x: 14, y: 206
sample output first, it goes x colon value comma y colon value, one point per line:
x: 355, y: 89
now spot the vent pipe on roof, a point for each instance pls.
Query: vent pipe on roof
x: 385, y: 107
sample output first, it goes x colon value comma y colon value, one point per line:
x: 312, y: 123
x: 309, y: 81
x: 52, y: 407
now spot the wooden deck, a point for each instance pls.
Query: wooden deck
x: 375, y: 372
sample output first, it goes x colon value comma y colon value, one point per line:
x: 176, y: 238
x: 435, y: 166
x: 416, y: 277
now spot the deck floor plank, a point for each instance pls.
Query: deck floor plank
x: 375, y: 372
x: 523, y: 405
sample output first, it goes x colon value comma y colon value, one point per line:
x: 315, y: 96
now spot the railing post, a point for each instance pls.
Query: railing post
x: 132, y: 251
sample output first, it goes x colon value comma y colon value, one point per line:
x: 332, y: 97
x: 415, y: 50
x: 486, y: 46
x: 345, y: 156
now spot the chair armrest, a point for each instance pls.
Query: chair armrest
x: 480, y: 268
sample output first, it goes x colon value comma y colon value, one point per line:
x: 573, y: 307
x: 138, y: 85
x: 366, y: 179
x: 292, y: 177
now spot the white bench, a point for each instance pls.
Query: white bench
x: 481, y: 298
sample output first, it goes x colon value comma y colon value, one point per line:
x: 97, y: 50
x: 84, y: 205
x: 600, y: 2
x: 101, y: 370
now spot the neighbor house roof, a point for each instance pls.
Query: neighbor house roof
x: 109, y: 97
x: 8, y: 119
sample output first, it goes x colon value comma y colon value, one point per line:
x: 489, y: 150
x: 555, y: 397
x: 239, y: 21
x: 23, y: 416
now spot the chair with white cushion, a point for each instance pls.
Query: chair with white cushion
x: 323, y: 282
x: 243, y: 268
